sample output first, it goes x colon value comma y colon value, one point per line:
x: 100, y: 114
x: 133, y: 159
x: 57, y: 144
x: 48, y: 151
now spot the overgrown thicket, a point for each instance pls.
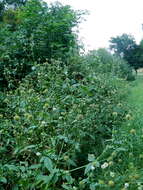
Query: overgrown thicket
x: 58, y: 108
x: 35, y: 32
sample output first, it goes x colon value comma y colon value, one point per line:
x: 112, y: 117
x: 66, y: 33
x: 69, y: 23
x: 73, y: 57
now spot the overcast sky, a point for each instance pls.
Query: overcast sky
x: 108, y: 18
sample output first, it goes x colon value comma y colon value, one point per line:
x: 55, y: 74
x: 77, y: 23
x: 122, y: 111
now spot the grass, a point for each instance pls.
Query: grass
x: 136, y: 94
x: 124, y: 154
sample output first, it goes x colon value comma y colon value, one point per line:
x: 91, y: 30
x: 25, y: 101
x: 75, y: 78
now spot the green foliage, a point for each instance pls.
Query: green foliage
x: 105, y: 62
x: 135, y: 57
x: 52, y: 122
x: 120, y: 164
x: 58, y: 109
x: 126, y: 47
x: 121, y: 44
x: 36, y: 32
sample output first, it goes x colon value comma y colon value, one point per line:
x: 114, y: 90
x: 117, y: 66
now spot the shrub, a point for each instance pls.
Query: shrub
x: 52, y: 122
x: 36, y: 32
x: 105, y: 62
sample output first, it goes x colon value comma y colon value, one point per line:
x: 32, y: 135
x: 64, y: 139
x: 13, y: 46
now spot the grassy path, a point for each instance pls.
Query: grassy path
x: 125, y: 152
x: 129, y: 139
x: 136, y: 94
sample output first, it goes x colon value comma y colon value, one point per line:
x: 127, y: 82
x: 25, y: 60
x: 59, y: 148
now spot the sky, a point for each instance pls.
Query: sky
x: 108, y: 18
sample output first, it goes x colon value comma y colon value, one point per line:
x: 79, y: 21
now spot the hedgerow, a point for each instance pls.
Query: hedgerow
x: 58, y: 109
x: 52, y: 122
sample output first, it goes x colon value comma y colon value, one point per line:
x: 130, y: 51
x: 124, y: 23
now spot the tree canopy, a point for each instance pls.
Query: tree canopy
x: 125, y: 46
x: 122, y: 44
x: 36, y: 32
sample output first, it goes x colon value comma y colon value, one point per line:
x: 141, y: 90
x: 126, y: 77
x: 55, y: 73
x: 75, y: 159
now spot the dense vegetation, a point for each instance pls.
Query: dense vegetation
x: 59, y: 110
x: 126, y: 47
x: 33, y: 33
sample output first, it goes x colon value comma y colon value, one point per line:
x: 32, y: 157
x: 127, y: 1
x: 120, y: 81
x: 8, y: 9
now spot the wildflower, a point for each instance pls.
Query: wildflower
x: 115, y: 113
x: 132, y: 131
x: 1, y: 115
x: 66, y: 158
x: 114, y: 154
x: 54, y: 109
x: 43, y: 123
x: 111, y: 183
x: 92, y: 168
x: 128, y: 117
x: 101, y: 182
x: 16, y: 117
x: 140, y: 187
x: 119, y: 104
x: 112, y: 174
x: 126, y: 185
x: 33, y: 68
x: 105, y: 165
x: 38, y: 153
x: 29, y: 116
x: 110, y: 158
x: 46, y: 105
x: 111, y: 163
x: 120, y: 160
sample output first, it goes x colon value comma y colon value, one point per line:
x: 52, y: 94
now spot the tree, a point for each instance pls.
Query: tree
x: 122, y: 44
x: 2, y: 8
x: 37, y: 32
x: 14, y: 3
x: 126, y: 47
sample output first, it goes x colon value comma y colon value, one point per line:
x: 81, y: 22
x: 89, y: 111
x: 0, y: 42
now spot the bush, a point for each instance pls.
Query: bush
x: 52, y: 122
x: 35, y: 32
x: 105, y: 62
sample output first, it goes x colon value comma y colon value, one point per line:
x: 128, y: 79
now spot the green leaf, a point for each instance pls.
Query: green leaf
x: 48, y: 164
x: 11, y: 167
x: 44, y: 178
x: 27, y: 148
x: 91, y: 157
x: 35, y: 166
x: 69, y: 179
x: 93, y: 186
x: 88, y: 168
x: 65, y: 186
x: 3, y: 180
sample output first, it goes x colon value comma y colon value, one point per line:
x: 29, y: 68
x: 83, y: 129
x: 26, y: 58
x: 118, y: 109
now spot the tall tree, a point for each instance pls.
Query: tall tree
x: 126, y: 47
x: 122, y: 44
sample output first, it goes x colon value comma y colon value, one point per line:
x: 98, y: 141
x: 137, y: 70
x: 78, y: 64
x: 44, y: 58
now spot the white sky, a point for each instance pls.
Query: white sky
x: 108, y: 18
